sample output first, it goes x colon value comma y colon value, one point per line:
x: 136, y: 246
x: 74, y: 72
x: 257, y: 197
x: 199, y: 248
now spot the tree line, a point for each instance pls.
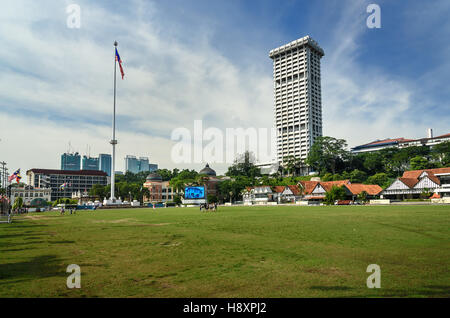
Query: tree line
x: 331, y: 159
x: 328, y: 157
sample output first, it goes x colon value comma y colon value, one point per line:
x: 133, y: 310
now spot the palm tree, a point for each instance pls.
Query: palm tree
x: 290, y: 164
x: 201, y: 179
x: 144, y: 193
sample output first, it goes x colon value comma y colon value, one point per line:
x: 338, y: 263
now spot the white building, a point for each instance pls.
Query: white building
x: 29, y: 193
x: 298, y: 101
x: 376, y: 145
x: 257, y: 195
x: 429, y: 141
x: 413, y: 183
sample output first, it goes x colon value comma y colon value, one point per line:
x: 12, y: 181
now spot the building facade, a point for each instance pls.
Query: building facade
x: 90, y: 163
x: 428, y: 141
x: 210, y: 180
x: 136, y: 165
x: 105, y: 162
x: 416, y: 182
x: 30, y: 193
x: 298, y: 101
x: 64, y: 182
x: 379, y: 144
x: 71, y: 161
x: 160, y: 191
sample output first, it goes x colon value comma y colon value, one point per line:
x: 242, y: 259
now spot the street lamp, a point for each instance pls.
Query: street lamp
x: 231, y: 196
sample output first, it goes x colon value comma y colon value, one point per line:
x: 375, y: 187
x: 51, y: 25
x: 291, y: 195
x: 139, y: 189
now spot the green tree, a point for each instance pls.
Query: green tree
x: 290, y: 164
x: 362, y: 196
x: 144, y: 193
x: 177, y: 199
x: 441, y: 153
x: 327, y: 153
x: 335, y: 193
x: 244, y: 165
x: 165, y: 174
x: 372, y: 162
x: 357, y: 176
x: 212, y: 198
x: 382, y: 179
x: 419, y: 163
x: 18, y: 203
x: 98, y: 190
x: 426, y: 194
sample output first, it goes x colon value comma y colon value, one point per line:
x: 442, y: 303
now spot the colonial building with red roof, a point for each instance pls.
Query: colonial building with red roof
x: 413, y: 183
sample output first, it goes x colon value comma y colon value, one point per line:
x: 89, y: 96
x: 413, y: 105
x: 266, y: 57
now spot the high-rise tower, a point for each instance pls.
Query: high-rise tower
x: 298, y: 102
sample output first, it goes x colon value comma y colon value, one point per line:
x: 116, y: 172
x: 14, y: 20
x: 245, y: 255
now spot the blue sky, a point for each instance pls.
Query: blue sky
x: 194, y: 59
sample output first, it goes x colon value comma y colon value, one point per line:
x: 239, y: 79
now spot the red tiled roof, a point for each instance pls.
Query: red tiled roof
x: 357, y: 188
x: 388, y: 140
x: 308, y: 186
x: 426, y: 138
x: 442, y: 136
x: 278, y: 189
x: 435, y: 179
x: 417, y: 173
x: 70, y: 172
x: 414, y: 174
x: 327, y: 185
x: 409, y: 182
x: 295, y: 189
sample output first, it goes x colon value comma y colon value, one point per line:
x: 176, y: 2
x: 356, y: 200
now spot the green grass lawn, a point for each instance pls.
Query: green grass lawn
x: 285, y: 251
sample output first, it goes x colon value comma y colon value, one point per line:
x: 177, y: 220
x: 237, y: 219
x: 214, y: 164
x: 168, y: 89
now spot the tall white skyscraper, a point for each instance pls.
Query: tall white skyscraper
x: 298, y: 102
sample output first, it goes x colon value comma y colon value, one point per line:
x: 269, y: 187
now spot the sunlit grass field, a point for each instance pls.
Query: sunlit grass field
x: 284, y: 251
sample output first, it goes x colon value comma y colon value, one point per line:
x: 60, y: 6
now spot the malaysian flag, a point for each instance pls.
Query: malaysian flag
x: 16, y: 175
x: 120, y: 63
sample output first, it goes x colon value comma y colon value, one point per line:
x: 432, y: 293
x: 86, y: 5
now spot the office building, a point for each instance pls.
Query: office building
x: 298, y: 101
x: 104, y: 161
x: 90, y: 163
x: 65, y: 182
x: 135, y: 165
x: 71, y: 161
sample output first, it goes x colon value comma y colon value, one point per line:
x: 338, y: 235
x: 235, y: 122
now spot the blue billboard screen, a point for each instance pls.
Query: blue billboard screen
x: 194, y: 193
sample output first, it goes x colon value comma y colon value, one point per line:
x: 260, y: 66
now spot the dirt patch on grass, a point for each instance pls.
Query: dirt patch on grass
x: 115, y: 221
x: 333, y: 271
x: 159, y: 224
x: 35, y: 217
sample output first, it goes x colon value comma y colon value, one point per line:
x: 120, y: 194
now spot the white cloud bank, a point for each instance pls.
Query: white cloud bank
x: 56, y: 85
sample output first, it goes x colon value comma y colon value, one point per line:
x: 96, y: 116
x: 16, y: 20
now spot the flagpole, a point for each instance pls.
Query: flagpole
x: 114, y: 141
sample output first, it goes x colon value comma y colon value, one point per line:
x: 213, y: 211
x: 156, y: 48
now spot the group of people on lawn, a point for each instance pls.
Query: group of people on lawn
x: 208, y: 206
x: 72, y: 211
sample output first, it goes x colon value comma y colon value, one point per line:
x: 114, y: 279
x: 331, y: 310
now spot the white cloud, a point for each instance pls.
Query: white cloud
x: 362, y: 103
x: 56, y: 72
x: 56, y: 83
